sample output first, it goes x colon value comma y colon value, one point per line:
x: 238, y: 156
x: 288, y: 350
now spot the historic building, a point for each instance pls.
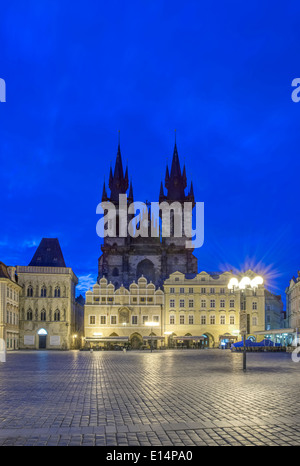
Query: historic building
x: 125, y: 259
x: 274, y: 311
x: 9, y: 307
x: 191, y: 309
x: 198, y: 311
x: 293, y: 302
x: 204, y: 307
x: 120, y: 316
x: 47, y: 301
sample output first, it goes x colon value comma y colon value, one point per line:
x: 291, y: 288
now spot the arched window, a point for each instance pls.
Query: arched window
x: 57, y: 315
x: 57, y: 292
x: 30, y: 291
x: 43, y: 315
x: 29, y: 314
x: 43, y: 292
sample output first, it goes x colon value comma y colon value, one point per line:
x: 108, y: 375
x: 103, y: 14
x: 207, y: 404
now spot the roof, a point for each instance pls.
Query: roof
x: 3, y: 271
x: 48, y: 254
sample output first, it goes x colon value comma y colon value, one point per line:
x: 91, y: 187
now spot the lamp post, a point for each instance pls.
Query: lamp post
x: 151, y: 324
x: 242, y: 285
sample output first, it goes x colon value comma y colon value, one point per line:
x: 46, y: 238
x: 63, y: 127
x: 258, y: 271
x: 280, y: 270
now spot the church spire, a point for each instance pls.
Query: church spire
x: 118, y: 183
x: 175, y: 181
x: 104, y: 193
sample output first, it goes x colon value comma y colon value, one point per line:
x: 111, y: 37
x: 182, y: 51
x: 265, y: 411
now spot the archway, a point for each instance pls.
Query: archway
x: 42, y: 333
x: 208, y: 341
x: 146, y: 268
x: 136, y: 341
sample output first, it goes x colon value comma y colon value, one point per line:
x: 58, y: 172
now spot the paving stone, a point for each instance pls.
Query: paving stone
x: 164, y: 398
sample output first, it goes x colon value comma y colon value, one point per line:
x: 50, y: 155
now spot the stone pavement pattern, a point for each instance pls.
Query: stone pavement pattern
x: 172, y: 398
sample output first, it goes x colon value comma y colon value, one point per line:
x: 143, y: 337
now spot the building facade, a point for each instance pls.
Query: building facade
x: 274, y: 311
x: 47, y: 301
x: 199, y: 312
x: 9, y: 307
x: 120, y: 316
x: 293, y: 302
x: 204, y: 307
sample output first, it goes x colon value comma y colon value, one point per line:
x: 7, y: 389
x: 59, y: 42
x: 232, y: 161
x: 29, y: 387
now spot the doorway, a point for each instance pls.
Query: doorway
x: 42, y: 341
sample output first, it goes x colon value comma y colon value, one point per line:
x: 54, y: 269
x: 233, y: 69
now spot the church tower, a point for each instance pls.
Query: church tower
x: 125, y: 259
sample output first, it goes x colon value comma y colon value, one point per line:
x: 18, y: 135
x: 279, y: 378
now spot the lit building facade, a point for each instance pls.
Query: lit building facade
x: 47, y: 302
x: 293, y: 302
x: 9, y: 307
x: 114, y: 317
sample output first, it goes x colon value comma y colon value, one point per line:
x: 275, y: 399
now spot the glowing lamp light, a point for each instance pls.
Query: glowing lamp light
x: 97, y: 334
x: 168, y: 333
x: 257, y: 281
x: 232, y: 283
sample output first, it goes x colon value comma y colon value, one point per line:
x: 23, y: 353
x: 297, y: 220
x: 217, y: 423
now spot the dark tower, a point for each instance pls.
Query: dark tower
x: 125, y: 259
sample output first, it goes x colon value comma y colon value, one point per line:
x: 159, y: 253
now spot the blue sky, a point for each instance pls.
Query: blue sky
x: 220, y: 73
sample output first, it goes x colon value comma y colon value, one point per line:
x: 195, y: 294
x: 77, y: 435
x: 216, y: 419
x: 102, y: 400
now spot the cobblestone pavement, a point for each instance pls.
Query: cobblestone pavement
x: 171, y: 398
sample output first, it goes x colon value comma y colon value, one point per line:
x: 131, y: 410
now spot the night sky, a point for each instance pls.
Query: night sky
x: 219, y: 73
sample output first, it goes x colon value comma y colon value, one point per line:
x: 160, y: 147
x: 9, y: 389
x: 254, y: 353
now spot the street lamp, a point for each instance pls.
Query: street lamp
x: 151, y: 324
x: 242, y: 285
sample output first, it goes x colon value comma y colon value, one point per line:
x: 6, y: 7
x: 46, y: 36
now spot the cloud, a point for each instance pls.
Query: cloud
x: 85, y: 282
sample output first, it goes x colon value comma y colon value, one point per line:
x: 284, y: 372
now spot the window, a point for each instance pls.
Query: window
x: 57, y: 292
x: 134, y: 300
x: 172, y: 302
x: 191, y: 290
x: 172, y: 290
x: 113, y: 320
x: 181, y: 303
x: 134, y: 320
x: 231, y: 303
x: 43, y: 315
x: 222, y: 320
x: 110, y: 299
x: 102, y: 320
x: 254, y: 305
x: 172, y: 320
x: 92, y: 320
x: 203, y: 290
x: 29, y: 314
x: 222, y: 302
x: 142, y: 300
x: 57, y: 315
x: 155, y: 318
x: 150, y: 300
x: 103, y: 299
x: 176, y: 279
x: 203, y: 303
x: 30, y: 291
x: 145, y: 319
x: 191, y: 319
x: 212, y: 320
x: 212, y: 303
x: 43, y: 292
x: 231, y: 320
x: 254, y: 321
x: 222, y: 290
x: 191, y: 303
x: 182, y: 290
x: 203, y: 320
x: 203, y: 279
x: 212, y: 291
x: 181, y: 319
